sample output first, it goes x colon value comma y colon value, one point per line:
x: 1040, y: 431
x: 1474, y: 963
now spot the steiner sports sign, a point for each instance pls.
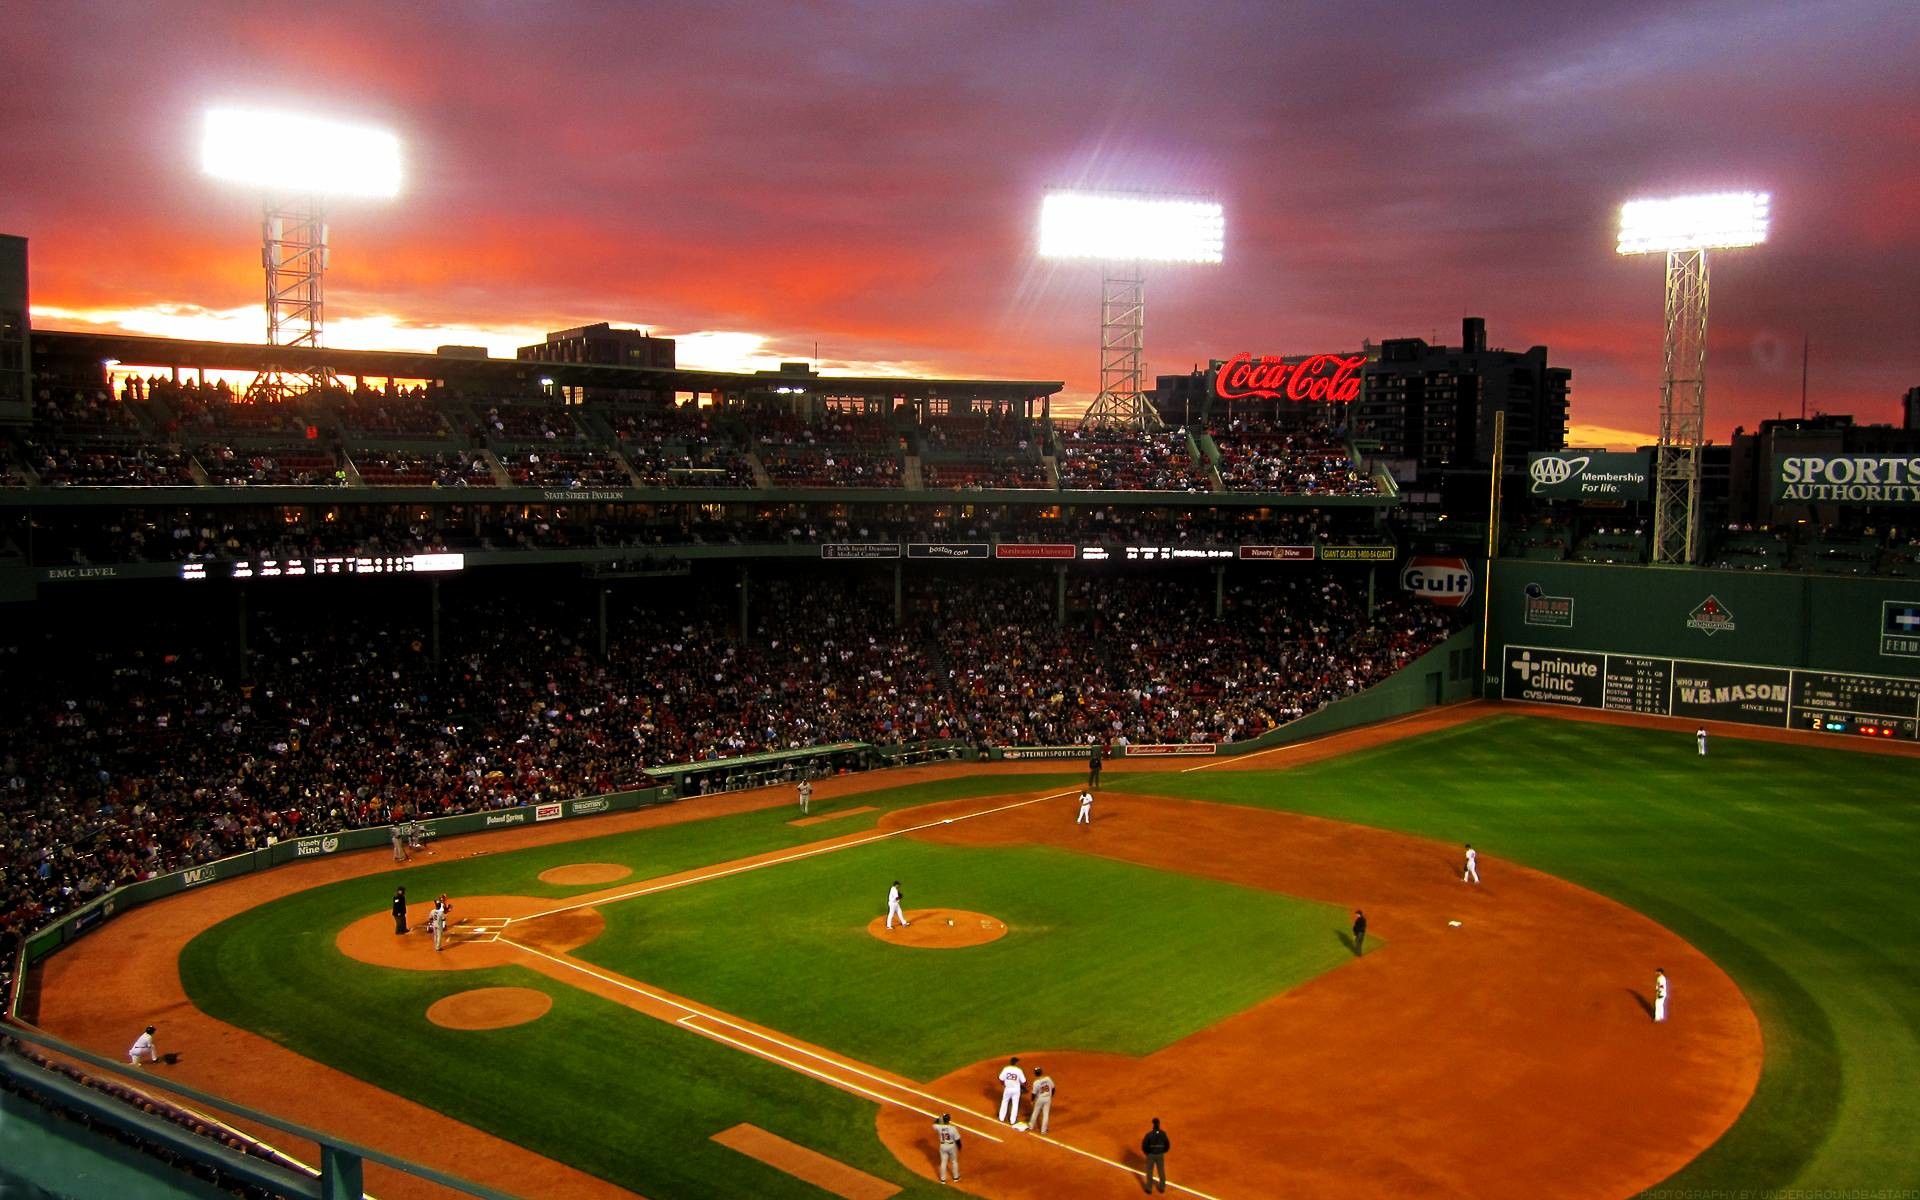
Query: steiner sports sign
x: 1846, y: 479
x: 1314, y: 378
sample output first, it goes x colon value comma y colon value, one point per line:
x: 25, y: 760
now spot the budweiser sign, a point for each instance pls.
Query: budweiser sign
x: 1319, y: 378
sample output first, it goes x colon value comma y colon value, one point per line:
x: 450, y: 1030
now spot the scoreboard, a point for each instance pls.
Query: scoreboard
x: 1778, y: 697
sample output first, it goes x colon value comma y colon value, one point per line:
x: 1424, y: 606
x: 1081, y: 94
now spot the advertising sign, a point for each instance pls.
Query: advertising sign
x: 1555, y: 612
x: 1172, y: 750
x: 949, y: 550
x: 1021, y: 752
x: 860, y: 550
x: 1444, y: 581
x: 1037, y: 550
x: 1277, y: 553
x: 1730, y: 692
x: 1588, y: 475
x: 1315, y: 378
x: 1846, y: 478
x: 1572, y: 677
x: 1358, y: 554
x: 1641, y: 685
x: 1900, y: 628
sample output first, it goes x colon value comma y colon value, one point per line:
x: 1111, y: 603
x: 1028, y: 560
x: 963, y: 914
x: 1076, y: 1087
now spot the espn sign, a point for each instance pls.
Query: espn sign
x: 1447, y: 581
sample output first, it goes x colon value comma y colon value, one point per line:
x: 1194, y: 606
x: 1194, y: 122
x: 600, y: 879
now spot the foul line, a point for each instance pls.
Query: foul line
x: 694, y: 1014
x: 881, y: 835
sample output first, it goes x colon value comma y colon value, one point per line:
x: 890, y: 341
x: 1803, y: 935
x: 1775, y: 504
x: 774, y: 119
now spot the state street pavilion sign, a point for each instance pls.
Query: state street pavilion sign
x: 1313, y: 378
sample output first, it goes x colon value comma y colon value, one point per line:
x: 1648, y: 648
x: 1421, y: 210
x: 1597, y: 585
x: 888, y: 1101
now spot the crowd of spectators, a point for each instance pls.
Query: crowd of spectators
x: 292, y: 466
x: 418, y: 468
x: 149, y: 749
x: 109, y: 465
x: 376, y: 414
x: 1112, y: 460
x: 1261, y: 453
x: 549, y: 468
x: 525, y: 423
x: 974, y: 472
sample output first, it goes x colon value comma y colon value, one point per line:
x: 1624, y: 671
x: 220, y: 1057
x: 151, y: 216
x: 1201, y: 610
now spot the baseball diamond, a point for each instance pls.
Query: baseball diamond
x: 732, y: 979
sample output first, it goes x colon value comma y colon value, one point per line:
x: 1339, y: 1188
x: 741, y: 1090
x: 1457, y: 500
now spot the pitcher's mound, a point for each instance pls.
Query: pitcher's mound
x: 585, y: 873
x: 940, y: 929
x: 489, y: 1008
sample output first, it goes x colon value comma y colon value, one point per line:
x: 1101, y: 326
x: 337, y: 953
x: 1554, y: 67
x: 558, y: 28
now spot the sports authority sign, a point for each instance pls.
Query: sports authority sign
x: 1846, y: 479
x: 1445, y: 581
x: 1312, y: 378
x: 1588, y: 475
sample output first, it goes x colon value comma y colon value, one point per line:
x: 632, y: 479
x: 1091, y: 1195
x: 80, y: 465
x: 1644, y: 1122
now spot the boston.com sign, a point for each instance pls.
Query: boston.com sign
x: 1846, y: 479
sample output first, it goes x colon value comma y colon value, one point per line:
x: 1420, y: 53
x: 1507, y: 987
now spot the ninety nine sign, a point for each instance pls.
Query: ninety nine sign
x: 1319, y: 378
x: 1278, y: 553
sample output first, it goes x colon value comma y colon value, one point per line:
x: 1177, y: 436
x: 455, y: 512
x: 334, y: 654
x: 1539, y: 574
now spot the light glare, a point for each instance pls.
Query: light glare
x: 1721, y: 220
x: 1129, y: 228
x: 286, y: 153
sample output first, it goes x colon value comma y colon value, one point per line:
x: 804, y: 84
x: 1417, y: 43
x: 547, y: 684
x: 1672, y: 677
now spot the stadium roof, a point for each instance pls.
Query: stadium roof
x: 136, y: 350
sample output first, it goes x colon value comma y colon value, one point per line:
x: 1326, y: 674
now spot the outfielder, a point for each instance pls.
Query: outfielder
x: 1659, y: 993
x: 142, y: 1049
x: 949, y: 1138
x: 1472, y: 873
x: 1013, y: 1081
x: 1700, y: 735
x: 1042, y: 1101
x: 806, y: 795
x: 893, y: 906
x: 1086, y: 808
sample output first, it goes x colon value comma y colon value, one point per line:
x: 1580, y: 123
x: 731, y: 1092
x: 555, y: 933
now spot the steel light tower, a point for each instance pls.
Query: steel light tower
x: 1685, y: 228
x: 1124, y: 232
x: 296, y: 162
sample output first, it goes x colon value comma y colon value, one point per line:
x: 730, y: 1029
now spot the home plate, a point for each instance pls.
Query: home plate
x: 1453, y: 923
x: 1021, y: 1126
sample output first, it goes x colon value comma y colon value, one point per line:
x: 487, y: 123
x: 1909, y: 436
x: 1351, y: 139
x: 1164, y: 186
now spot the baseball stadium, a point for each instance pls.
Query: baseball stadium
x: 585, y: 774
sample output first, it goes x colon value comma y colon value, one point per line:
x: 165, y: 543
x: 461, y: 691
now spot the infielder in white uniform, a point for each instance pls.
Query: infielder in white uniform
x: 1086, y: 808
x: 893, y: 906
x: 1700, y: 735
x: 437, y: 922
x: 1013, y: 1081
x: 806, y: 795
x: 1042, y: 1101
x: 1659, y: 993
x: 949, y: 1138
x: 142, y: 1049
x: 1472, y: 873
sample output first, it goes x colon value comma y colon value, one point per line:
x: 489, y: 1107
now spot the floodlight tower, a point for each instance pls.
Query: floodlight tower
x: 1685, y: 228
x: 1124, y: 232
x: 295, y: 162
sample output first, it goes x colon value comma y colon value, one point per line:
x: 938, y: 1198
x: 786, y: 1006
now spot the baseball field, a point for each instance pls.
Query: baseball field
x: 701, y: 1000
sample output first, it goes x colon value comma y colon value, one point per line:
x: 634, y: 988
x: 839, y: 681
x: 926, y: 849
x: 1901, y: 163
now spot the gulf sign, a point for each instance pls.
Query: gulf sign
x: 1447, y: 581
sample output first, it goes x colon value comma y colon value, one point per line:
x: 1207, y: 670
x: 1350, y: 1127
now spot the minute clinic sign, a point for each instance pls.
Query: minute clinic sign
x: 1317, y: 378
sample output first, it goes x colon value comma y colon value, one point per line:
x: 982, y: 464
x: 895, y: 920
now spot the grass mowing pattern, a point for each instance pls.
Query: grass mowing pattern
x: 1099, y: 955
x: 1792, y: 867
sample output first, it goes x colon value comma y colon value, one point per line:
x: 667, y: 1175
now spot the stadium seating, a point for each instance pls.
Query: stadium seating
x: 1259, y: 452
x: 1111, y: 460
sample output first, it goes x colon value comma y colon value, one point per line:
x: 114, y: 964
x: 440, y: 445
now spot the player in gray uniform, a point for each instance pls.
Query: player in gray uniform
x: 1042, y: 1101
x: 399, y: 843
x: 1472, y: 873
x: 949, y: 1138
x: 806, y: 795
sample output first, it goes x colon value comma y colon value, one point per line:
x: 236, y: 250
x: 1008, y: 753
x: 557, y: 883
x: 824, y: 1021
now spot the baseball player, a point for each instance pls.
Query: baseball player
x: 1013, y: 1081
x: 142, y: 1050
x: 949, y: 1138
x: 437, y: 922
x: 1086, y: 808
x: 399, y: 843
x: 893, y: 906
x: 416, y: 835
x: 1700, y: 735
x: 806, y: 795
x: 1042, y: 1101
x: 1472, y: 873
x: 1659, y: 993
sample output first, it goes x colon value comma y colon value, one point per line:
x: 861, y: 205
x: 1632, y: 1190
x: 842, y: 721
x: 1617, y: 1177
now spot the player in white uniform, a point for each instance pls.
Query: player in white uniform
x: 1013, y: 1081
x: 1700, y: 735
x: 1042, y: 1101
x: 1659, y: 993
x: 893, y: 906
x: 142, y: 1049
x: 949, y: 1139
x: 437, y: 922
x: 1472, y: 873
x: 1086, y: 808
x: 806, y: 795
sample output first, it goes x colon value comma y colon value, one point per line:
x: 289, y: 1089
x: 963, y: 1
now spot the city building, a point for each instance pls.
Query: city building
x: 15, y: 394
x: 602, y: 345
x: 1432, y: 407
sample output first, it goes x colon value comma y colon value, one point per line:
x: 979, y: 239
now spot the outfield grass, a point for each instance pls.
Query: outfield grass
x: 1792, y: 867
x: 1099, y: 955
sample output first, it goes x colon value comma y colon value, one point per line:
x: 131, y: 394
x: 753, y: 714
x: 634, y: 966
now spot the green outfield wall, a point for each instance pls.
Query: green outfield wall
x: 1836, y: 654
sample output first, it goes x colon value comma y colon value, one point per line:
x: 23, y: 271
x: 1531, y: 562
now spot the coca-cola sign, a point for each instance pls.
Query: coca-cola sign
x: 1317, y: 378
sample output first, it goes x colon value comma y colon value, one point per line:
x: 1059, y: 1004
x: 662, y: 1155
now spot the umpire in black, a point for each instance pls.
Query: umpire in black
x: 399, y: 910
x: 1359, y: 933
x: 1155, y: 1146
x: 1093, y: 769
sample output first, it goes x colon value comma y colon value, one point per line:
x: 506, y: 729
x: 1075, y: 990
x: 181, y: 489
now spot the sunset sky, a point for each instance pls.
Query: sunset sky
x: 754, y: 179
